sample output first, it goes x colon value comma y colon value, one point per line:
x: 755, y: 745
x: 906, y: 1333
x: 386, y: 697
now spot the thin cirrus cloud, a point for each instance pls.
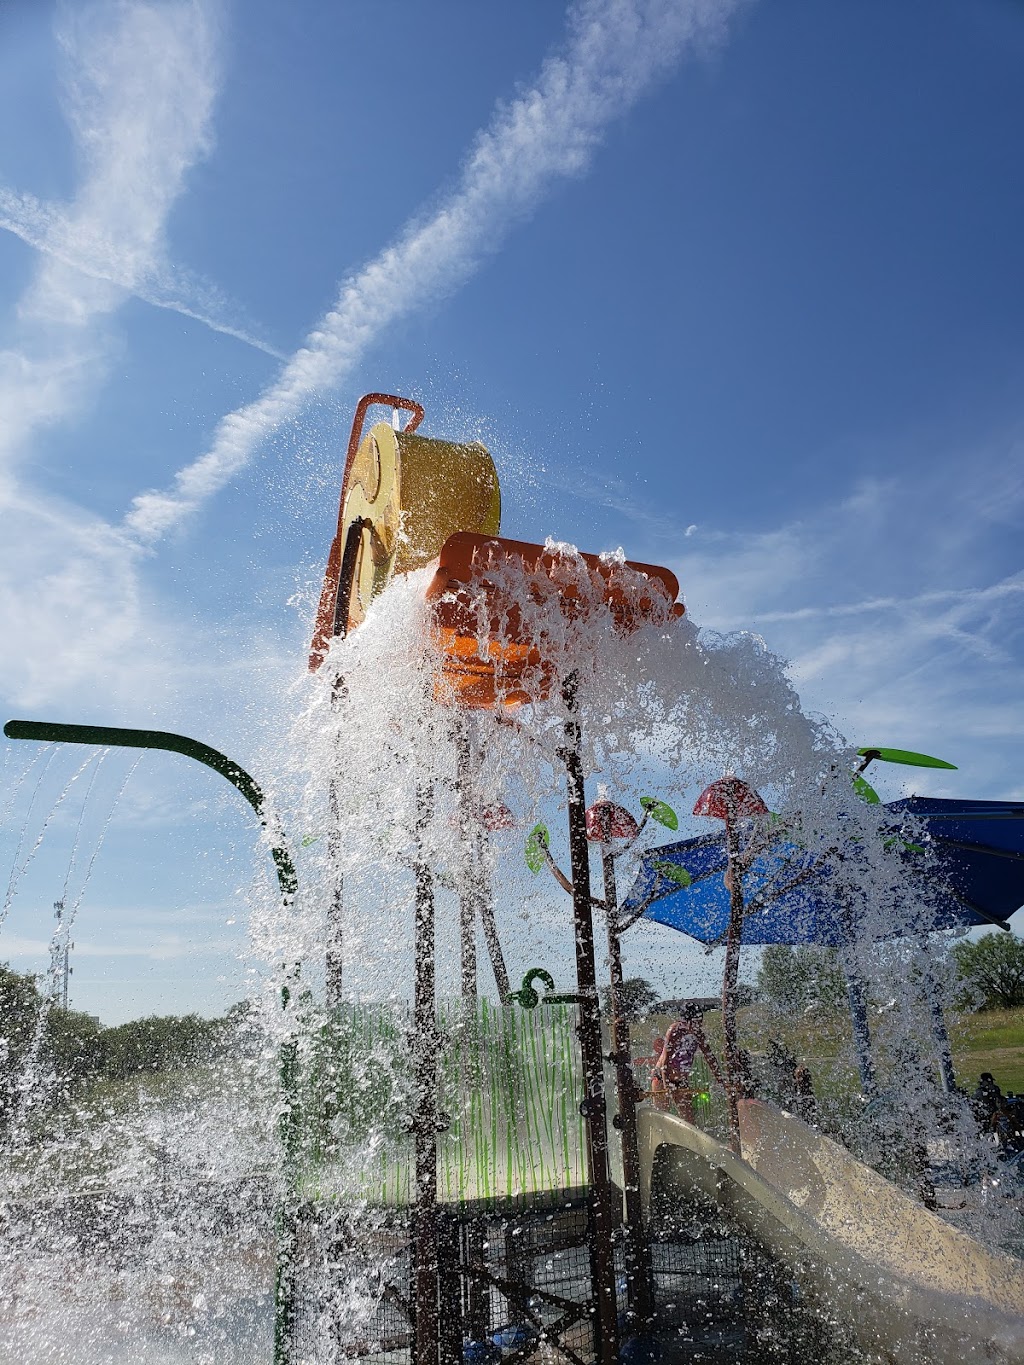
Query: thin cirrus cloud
x: 615, y: 51
x: 163, y: 947
x: 82, y: 246
x: 139, y: 86
x: 906, y: 630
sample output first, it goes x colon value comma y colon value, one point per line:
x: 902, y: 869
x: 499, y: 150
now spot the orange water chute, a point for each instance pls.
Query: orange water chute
x: 488, y: 656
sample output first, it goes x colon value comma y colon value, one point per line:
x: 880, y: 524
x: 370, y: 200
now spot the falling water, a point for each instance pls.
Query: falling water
x: 146, y: 1229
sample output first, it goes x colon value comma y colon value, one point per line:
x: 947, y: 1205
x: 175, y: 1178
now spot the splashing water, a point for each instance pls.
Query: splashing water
x: 148, y: 1217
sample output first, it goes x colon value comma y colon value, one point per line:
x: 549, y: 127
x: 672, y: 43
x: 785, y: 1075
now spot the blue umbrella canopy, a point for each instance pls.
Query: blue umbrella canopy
x: 974, y: 876
x: 786, y: 893
x: 979, y: 855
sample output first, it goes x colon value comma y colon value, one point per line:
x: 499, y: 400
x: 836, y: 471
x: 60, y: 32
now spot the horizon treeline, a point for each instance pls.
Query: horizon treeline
x: 57, y: 1050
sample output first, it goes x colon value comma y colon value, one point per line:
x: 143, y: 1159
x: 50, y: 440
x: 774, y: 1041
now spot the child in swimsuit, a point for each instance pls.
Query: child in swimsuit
x: 683, y: 1041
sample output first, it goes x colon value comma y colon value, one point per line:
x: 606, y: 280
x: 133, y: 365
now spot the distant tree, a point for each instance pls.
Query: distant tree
x: 70, y: 1047
x: 990, y: 972
x: 241, y: 1014
x: 65, y: 1048
x: 747, y: 993
x: 242, y: 1032
x: 638, y: 997
x: 19, y: 1016
x: 60, y: 1046
x: 796, y: 979
x: 159, y: 1043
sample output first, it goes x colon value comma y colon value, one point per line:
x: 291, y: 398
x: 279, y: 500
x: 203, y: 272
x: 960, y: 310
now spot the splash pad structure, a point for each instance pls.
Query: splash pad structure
x: 490, y: 655
x: 453, y: 1184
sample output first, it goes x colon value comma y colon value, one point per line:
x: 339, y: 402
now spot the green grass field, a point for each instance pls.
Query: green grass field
x: 991, y: 1041
x: 509, y: 1081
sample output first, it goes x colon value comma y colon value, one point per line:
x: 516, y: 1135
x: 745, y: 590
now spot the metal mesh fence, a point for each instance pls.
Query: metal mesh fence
x: 515, y: 1285
x: 510, y: 1283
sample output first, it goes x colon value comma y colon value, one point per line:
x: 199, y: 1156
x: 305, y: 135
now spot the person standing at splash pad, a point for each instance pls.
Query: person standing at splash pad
x: 670, y: 1076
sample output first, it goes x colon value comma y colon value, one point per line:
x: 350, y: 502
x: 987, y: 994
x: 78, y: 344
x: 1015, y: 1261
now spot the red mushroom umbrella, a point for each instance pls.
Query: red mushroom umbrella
x: 729, y: 799
x: 607, y: 821
x: 496, y: 816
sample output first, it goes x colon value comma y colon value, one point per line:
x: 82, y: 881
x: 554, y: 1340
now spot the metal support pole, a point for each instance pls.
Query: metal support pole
x: 451, y: 1327
x: 470, y: 870
x: 593, y: 1107
x: 289, y: 1129
x: 486, y: 906
x: 730, y: 981
x: 477, y: 1292
x: 61, y: 965
x: 856, y: 993
x: 425, y: 1049
x: 638, y: 1262
x: 475, y: 895
x: 940, y: 1034
x: 334, y: 956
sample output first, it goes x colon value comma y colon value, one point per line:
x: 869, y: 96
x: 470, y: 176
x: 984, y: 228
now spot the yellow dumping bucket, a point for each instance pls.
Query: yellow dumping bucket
x: 402, y: 496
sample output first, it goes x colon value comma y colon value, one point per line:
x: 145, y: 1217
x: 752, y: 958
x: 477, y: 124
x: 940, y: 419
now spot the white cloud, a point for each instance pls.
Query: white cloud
x: 139, y: 83
x: 54, y: 231
x: 69, y: 603
x: 615, y: 50
x: 139, y: 86
x: 88, y: 637
x: 163, y: 948
x: 906, y: 629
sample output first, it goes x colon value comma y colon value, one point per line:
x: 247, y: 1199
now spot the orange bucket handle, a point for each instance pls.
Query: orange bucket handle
x: 327, y: 612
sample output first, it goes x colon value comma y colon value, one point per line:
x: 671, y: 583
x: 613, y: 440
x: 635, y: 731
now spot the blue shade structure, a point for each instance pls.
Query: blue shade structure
x: 979, y: 849
x: 973, y: 876
x: 784, y: 892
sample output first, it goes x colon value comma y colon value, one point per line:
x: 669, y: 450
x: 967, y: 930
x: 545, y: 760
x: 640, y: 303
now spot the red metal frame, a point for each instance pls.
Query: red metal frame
x: 327, y: 612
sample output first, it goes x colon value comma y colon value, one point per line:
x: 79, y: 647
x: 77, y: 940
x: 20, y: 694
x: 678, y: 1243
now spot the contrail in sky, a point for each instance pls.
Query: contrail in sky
x: 138, y: 84
x: 615, y: 51
x: 92, y: 250
x: 138, y: 91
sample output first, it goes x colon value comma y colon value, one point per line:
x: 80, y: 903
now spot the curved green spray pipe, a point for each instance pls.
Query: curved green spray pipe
x: 107, y: 736
x: 110, y: 735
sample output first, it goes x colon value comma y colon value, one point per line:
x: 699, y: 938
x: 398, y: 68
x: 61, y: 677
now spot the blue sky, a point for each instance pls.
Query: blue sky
x: 735, y: 286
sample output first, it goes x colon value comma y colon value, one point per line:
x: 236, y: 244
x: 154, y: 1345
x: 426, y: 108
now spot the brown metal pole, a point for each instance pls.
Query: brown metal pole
x: 638, y: 1264
x: 470, y: 877
x: 485, y: 904
x: 453, y: 1328
x: 501, y: 981
x: 594, y: 1109
x: 730, y: 980
x: 477, y: 890
x: 335, y: 957
x: 425, y: 1049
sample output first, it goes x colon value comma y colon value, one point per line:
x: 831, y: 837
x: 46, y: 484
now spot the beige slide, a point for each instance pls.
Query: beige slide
x: 913, y: 1289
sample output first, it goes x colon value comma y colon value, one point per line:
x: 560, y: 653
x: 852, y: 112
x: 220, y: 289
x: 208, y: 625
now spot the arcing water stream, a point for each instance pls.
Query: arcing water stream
x: 150, y: 1225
